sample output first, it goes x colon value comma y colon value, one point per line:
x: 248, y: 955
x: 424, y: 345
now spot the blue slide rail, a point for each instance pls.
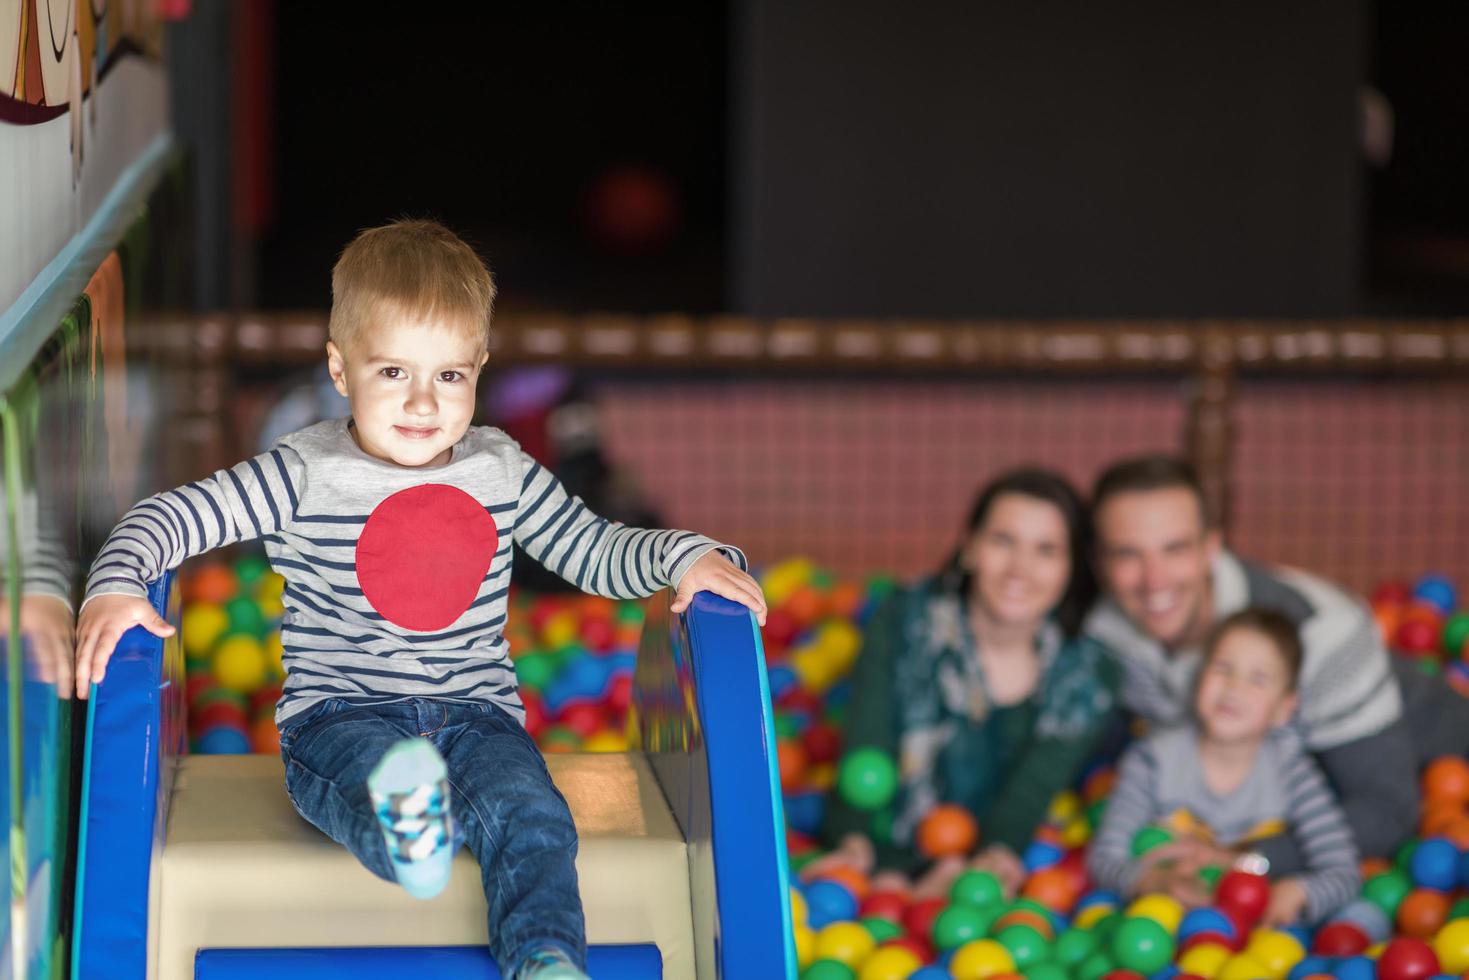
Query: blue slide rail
x: 706, y: 722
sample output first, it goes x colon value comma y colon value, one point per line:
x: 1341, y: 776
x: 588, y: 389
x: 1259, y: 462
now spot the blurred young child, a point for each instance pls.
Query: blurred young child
x: 1239, y: 775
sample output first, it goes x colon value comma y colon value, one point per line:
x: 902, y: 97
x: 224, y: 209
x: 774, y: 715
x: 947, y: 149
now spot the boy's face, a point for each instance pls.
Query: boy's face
x: 1154, y: 557
x: 411, y: 388
x: 1244, y: 690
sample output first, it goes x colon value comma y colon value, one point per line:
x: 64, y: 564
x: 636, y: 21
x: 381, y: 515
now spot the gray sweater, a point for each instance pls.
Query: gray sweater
x: 1161, y: 781
x: 396, y: 577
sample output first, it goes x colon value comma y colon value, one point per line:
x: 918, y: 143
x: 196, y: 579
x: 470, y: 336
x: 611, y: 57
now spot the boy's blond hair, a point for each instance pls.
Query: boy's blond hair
x: 410, y: 270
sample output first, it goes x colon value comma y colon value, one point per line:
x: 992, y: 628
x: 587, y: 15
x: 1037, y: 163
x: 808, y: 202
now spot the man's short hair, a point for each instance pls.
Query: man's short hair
x: 1157, y: 471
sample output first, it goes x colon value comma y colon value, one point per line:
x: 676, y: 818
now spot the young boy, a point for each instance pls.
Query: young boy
x: 1240, y: 775
x: 400, y: 720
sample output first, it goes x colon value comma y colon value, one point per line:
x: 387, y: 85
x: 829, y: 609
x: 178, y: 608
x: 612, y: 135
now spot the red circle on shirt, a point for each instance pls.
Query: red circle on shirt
x: 423, y: 554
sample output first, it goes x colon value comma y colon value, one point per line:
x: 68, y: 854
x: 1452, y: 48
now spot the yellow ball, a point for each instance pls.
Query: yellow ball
x: 815, y: 670
x: 1373, y: 952
x: 1076, y: 832
x: 273, y: 654
x: 1278, y: 951
x: 203, y: 624
x: 1165, y: 910
x: 1064, y: 808
x: 821, y: 777
x: 239, y: 663
x: 845, y: 942
x: 270, y: 586
x: 841, y: 640
x: 805, y: 947
x: 271, y: 607
x: 798, y: 908
x: 889, y: 963
x: 1093, y: 914
x: 605, y: 741
x: 980, y: 960
x: 783, y: 579
x: 559, y: 629
x: 1243, y: 966
x: 1204, y: 960
x: 1452, y: 946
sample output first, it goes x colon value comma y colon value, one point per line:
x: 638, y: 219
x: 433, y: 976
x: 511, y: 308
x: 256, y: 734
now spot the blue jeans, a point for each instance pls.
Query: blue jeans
x: 510, y: 814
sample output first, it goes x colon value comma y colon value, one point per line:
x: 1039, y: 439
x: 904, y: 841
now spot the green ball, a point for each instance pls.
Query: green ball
x: 629, y: 613
x: 1387, y: 891
x: 1210, y: 876
x: 800, y: 861
x: 1030, y: 905
x: 1094, y: 967
x: 1094, y: 812
x: 977, y: 888
x: 959, y: 924
x: 786, y: 726
x: 1428, y: 665
x: 1045, y: 971
x: 565, y: 654
x: 879, y: 587
x: 1148, y: 838
x: 1455, y: 632
x: 535, y: 670
x: 882, y: 929
x: 1104, y: 927
x: 249, y: 568
x: 1460, y: 910
x: 1142, y: 945
x: 245, y: 616
x: 881, y: 829
x: 828, y: 970
x: 867, y: 778
x: 561, y: 735
x: 821, y: 580
x: 1027, y: 946
x: 1074, y: 946
x: 1402, y: 858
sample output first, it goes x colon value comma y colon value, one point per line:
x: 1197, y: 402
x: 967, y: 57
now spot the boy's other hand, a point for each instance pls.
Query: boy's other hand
x: 715, y: 573
x: 102, y: 623
x: 1288, y: 900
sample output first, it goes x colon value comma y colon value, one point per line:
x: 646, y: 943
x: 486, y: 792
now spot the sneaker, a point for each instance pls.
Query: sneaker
x: 548, y: 963
x: 410, y: 794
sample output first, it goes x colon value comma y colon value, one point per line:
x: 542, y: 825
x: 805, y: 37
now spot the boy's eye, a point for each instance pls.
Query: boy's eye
x: 391, y: 373
x: 450, y: 376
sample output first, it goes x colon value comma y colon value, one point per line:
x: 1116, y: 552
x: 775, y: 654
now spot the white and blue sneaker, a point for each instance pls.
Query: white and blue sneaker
x: 410, y: 794
x: 548, y: 963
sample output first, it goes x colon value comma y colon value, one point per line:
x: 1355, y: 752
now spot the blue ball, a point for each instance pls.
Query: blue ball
x: 1207, y: 920
x: 839, y: 695
x: 782, y: 679
x: 1167, y: 973
x: 1368, y: 917
x: 828, y: 902
x: 1437, y: 591
x: 1041, y: 855
x: 1308, y: 966
x: 1099, y: 897
x: 1355, y: 968
x: 931, y: 972
x: 805, y: 811
x: 586, y: 677
x: 1435, y: 864
x: 223, y: 740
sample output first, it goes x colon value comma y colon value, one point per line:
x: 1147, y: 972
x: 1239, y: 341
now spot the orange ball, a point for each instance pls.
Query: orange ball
x: 211, y: 582
x: 1423, y: 912
x: 1025, y: 917
x: 790, y: 757
x: 1052, y: 887
x: 804, y: 605
x: 1437, y: 815
x: 265, y: 738
x: 1099, y: 785
x: 948, y: 829
x: 849, y: 878
x: 1447, y: 778
x: 1456, y: 830
x: 1389, y: 618
x: 846, y: 600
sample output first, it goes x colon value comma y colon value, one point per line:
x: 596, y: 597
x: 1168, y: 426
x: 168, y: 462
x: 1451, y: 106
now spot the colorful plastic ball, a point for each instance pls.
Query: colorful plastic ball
x: 605, y: 741
x: 1340, y: 939
x: 980, y: 960
x: 1165, y: 910
x: 203, y: 623
x: 245, y: 616
x: 1094, y: 967
x: 1407, y: 958
x: 1205, y: 959
x: 1436, y: 591
x: 1355, y: 968
x: 1451, y: 946
x: 828, y: 902
x: 211, y: 582
x: 1277, y: 950
x: 1045, y: 970
x: 889, y: 963
x: 805, y: 941
x: 1435, y: 864
x: 1422, y: 912
x: 947, y: 830
x: 884, y: 905
x: 239, y: 663
x: 828, y: 970
x: 265, y: 737
x: 1025, y: 945
x: 867, y: 778
x: 920, y: 916
x: 1242, y: 966
x: 1455, y: 639
x: 959, y: 924
x: 1039, y: 855
x: 1243, y: 893
x: 932, y: 972
x: 845, y: 942
x: 1311, y: 966
x: 1447, y: 778
x: 790, y: 758
x: 1142, y: 945
x: 1148, y: 838
x: 977, y: 888
x: 882, y: 929
x: 1074, y: 946
x: 1415, y: 636
x: 1368, y: 917
x: 223, y: 740
x: 1387, y: 890
x: 1205, y: 920
x: 1052, y: 887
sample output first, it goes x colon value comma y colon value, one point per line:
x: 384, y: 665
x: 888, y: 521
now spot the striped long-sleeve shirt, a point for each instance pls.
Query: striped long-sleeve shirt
x: 1160, y: 781
x: 396, y: 577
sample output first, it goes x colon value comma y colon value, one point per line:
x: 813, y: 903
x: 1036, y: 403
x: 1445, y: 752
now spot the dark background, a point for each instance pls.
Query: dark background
x: 1025, y: 158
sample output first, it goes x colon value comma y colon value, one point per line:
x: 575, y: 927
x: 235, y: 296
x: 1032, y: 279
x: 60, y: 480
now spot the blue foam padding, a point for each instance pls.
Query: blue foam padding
x: 639, y: 962
x: 755, y: 938
x: 135, y: 728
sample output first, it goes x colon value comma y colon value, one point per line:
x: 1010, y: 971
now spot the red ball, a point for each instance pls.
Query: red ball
x: 1074, y: 864
x: 1416, y: 636
x: 1391, y: 593
x: 597, y: 634
x: 619, y: 695
x: 912, y: 944
x: 1212, y: 938
x: 583, y: 717
x: 535, y: 712
x: 1339, y: 939
x: 1122, y: 975
x: 264, y: 699
x: 823, y: 742
x: 1407, y: 959
x: 226, y: 713
x: 919, y: 916
x: 780, y: 628
x: 1245, y: 894
x: 884, y: 905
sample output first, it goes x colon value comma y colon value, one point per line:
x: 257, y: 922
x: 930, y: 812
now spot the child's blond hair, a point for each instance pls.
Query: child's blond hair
x: 410, y: 270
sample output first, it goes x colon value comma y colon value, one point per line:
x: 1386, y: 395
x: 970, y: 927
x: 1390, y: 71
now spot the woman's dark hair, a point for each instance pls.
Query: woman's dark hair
x: 1054, y: 489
